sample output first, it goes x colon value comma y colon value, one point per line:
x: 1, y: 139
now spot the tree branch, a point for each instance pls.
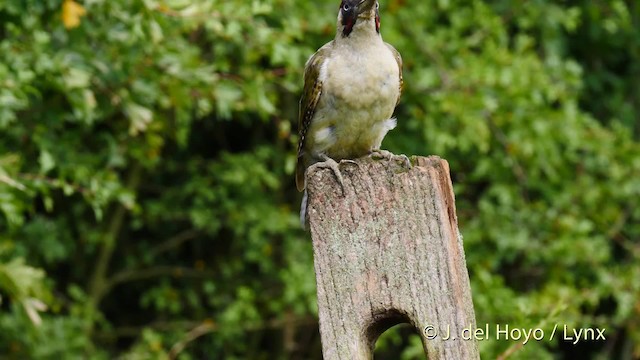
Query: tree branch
x: 135, y: 331
x: 152, y: 272
x: 174, y: 241
x: 96, y: 286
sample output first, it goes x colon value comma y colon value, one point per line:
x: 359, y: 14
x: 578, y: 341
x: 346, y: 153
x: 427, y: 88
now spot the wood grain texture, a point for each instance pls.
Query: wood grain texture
x: 388, y: 251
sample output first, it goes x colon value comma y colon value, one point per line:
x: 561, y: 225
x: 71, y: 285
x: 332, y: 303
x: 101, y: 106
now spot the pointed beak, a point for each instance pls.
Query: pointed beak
x: 365, y: 6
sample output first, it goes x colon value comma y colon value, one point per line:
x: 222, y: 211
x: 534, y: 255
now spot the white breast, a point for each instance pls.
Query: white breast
x: 359, y: 93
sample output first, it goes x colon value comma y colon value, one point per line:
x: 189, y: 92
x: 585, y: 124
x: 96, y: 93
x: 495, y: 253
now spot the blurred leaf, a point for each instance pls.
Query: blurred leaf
x: 71, y: 13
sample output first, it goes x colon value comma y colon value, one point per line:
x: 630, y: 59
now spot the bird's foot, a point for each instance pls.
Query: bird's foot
x: 347, y: 161
x: 329, y: 163
x: 378, y: 154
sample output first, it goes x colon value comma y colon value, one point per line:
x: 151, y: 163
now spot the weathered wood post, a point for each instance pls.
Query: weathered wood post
x: 389, y: 251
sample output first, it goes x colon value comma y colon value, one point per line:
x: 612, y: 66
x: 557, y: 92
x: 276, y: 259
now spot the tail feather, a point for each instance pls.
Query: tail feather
x: 303, y: 212
x: 300, y: 169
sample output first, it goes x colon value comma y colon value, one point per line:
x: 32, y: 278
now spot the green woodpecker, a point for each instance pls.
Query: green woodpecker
x: 351, y: 86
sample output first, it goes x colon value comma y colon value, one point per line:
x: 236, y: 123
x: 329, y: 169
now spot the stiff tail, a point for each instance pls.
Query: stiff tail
x: 300, y: 169
x: 303, y: 211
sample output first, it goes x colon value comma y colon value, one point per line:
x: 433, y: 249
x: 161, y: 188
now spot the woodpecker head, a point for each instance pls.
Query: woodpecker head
x: 355, y: 14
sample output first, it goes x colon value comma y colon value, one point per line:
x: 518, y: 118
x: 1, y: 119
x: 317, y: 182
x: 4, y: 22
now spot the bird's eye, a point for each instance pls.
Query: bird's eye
x: 377, y: 5
x: 346, y: 7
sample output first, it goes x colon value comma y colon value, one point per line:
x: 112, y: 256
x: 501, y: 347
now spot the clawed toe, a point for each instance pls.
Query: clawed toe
x: 404, y: 159
x: 333, y: 165
x: 387, y: 155
x: 378, y: 154
x: 347, y: 161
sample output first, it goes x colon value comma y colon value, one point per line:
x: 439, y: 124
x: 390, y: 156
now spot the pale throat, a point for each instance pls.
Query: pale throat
x: 365, y: 30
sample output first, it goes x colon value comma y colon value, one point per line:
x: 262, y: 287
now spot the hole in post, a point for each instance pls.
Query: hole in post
x: 382, y: 322
x: 399, y: 340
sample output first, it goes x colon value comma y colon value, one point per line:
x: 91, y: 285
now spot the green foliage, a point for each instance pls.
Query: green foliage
x: 147, y: 151
x: 24, y: 285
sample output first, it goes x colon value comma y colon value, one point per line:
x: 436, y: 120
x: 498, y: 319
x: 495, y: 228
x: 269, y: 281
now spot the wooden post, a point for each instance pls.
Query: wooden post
x: 388, y: 251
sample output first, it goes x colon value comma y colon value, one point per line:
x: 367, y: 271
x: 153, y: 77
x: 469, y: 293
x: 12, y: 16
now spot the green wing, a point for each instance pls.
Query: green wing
x: 308, y: 103
x: 396, y: 54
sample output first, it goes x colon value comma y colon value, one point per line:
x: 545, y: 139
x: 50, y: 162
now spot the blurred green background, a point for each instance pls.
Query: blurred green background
x: 148, y: 207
